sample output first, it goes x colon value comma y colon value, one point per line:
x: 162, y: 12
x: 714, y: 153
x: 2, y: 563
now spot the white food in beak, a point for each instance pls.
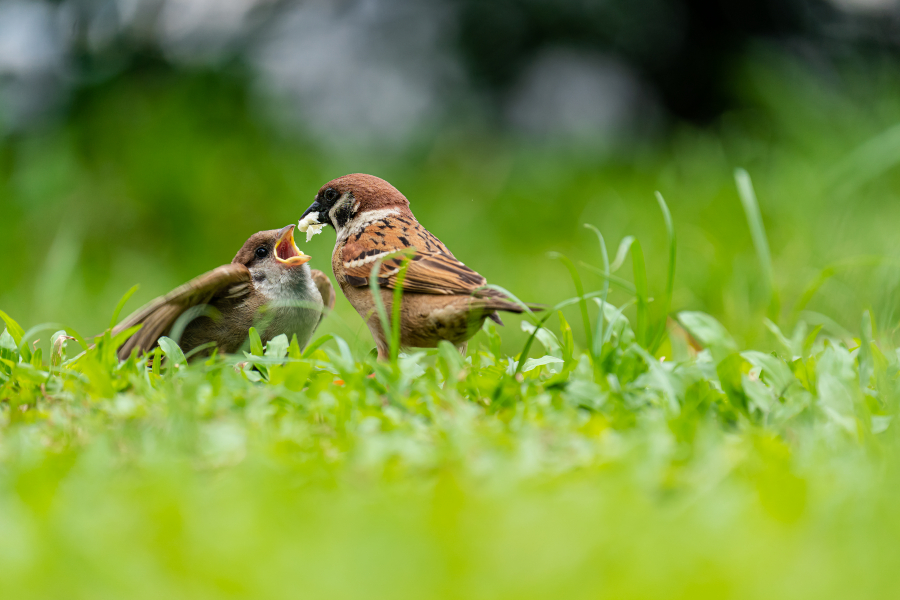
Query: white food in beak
x: 310, y: 225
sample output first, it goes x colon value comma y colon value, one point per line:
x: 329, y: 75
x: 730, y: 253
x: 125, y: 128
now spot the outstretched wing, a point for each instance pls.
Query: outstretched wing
x: 158, y: 316
x: 432, y: 269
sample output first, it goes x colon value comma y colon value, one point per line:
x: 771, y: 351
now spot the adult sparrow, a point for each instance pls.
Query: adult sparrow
x: 268, y: 285
x: 443, y: 299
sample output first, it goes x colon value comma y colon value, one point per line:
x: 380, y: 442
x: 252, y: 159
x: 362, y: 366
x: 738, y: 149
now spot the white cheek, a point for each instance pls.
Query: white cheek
x: 266, y: 286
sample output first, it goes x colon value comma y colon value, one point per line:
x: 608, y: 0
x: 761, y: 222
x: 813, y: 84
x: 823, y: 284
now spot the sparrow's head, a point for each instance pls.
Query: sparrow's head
x: 273, y: 258
x: 341, y: 199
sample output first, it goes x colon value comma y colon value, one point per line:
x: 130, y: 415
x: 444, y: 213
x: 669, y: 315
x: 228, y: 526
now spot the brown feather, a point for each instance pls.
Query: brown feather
x: 158, y: 316
x: 432, y: 268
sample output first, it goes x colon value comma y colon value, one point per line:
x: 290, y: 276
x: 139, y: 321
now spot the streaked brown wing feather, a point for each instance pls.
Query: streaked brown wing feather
x: 158, y: 316
x: 432, y: 269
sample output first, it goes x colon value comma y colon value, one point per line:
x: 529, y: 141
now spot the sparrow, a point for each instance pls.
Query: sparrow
x: 443, y: 299
x: 268, y: 285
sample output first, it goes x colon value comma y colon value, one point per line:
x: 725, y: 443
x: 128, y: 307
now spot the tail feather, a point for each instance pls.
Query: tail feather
x: 496, y: 301
x: 499, y: 301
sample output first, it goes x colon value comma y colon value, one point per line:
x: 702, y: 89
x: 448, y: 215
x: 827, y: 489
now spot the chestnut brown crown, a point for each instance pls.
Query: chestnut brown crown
x: 371, y: 192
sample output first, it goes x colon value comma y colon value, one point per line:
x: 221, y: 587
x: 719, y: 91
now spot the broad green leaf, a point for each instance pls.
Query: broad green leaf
x: 8, y: 342
x: 277, y: 347
x: 172, y: 351
x: 256, y: 345
x: 533, y: 363
x: 774, y: 370
x: 709, y: 332
x: 546, y: 337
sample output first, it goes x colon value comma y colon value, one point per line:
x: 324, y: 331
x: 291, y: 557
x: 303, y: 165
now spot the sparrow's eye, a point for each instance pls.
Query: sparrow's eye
x: 262, y: 252
x: 331, y: 195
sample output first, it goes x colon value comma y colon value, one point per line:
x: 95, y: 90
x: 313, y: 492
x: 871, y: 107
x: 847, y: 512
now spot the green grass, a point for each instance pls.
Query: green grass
x: 723, y: 429
x: 610, y: 473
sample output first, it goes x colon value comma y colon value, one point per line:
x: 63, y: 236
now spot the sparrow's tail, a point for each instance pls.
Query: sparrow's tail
x: 497, y: 303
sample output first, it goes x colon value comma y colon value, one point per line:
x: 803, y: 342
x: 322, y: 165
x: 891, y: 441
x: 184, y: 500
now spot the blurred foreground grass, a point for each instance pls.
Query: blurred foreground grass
x: 631, y: 467
x: 609, y: 474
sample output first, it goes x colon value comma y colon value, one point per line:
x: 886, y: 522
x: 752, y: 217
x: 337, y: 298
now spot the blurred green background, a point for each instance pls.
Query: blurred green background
x: 157, y: 152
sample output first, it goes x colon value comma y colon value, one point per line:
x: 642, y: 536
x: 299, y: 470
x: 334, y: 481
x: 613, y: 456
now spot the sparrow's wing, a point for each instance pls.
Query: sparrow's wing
x: 432, y: 268
x: 158, y: 316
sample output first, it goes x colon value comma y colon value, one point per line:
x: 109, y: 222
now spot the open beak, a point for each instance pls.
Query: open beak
x: 286, y: 251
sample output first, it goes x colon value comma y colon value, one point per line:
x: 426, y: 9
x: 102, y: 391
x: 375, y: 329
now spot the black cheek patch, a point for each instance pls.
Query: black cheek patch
x: 343, y: 215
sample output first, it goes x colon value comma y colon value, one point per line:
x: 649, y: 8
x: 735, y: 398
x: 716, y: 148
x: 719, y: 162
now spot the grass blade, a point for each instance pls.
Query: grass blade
x: 379, y: 303
x: 670, y: 275
x: 579, y: 289
x: 604, y: 255
x: 758, y: 234
x: 36, y: 330
x: 617, y: 281
x: 830, y: 271
x: 121, y: 305
x: 201, y: 348
x: 640, y: 285
x: 866, y: 162
x: 866, y: 364
x: 15, y: 330
x: 622, y: 253
x: 380, y: 310
x: 525, y: 349
x: 316, y: 344
x: 395, y: 309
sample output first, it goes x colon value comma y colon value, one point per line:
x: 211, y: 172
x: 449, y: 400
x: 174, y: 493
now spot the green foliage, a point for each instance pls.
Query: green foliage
x: 261, y: 474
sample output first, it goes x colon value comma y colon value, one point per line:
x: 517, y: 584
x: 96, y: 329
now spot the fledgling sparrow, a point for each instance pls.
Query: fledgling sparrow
x: 442, y: 299
x: 268, y: 285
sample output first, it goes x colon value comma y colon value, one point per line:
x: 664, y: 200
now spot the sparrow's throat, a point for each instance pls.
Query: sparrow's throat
x: 286, y: 251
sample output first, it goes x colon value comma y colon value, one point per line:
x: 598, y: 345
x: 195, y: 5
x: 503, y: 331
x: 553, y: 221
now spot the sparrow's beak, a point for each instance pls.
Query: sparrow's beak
x: 286, y: 251
x: 315, y: 207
